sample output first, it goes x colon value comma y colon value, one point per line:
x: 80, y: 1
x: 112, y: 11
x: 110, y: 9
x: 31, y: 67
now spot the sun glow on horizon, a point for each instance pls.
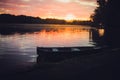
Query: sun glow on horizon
x: 56, y: 9
x: 69, y: 17
x: 64, y: 1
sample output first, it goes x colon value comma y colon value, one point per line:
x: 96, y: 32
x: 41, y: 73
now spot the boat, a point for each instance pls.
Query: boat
x: 55, y: 51
x: 56, y: 54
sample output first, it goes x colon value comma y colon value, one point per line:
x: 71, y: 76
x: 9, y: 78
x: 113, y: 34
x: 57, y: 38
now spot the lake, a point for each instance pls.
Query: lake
x: 18, y: 42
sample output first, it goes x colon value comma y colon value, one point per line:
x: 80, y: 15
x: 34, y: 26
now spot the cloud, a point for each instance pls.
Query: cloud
x: 2, y: 10
x: 13, y: 5
x: 47, y: 8
x: 88, y: 3
x: 64, y: 1
x: 26, y: 0
x: 40, y: 0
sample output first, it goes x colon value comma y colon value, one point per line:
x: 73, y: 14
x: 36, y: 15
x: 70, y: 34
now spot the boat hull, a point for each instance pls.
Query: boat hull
x: 53, y: 54
x: 44, y: 51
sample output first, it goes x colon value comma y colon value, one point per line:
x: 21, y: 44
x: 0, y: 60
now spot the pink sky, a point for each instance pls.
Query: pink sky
x: 61, y: 9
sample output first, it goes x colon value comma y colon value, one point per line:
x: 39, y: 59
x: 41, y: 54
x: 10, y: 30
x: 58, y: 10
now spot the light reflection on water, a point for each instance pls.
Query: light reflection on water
x: 62, y: 38
x: 101, y: 32
x: 50, y: 36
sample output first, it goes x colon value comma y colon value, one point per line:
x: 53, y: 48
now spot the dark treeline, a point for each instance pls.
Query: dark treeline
x: 107, y: 14
x: 8, y: 18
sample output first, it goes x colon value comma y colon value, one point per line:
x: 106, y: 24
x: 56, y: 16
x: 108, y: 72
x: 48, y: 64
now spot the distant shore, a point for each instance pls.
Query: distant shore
x: 9, y: 18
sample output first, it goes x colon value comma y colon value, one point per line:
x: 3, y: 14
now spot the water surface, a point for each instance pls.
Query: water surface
x: 18, y: 42
x: 46, y: 36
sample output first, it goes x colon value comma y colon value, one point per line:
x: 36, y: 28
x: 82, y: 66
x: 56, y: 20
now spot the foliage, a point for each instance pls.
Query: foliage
x: 107, y: 13
x: 98, y: 17
x: 8, y: 18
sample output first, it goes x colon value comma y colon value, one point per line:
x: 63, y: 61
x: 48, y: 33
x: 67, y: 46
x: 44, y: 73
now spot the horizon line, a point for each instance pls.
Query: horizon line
x: 77, y: 19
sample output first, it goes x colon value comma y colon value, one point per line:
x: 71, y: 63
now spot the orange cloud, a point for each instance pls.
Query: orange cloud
x: 81, y: 9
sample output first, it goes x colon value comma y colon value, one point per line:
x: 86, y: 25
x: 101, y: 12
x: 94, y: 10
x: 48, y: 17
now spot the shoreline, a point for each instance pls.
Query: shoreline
x: 98, y: 66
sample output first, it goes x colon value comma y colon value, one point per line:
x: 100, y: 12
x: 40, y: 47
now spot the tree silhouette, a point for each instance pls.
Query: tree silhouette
x: 112, y: 13
x: 98, y: 17
x: 107, y: 13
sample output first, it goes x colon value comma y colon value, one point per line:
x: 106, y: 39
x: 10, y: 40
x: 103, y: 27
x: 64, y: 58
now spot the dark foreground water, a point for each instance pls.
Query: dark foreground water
x: 18, y: 42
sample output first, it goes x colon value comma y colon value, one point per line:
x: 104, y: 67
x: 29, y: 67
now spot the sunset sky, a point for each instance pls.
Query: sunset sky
x: 60, y: 9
